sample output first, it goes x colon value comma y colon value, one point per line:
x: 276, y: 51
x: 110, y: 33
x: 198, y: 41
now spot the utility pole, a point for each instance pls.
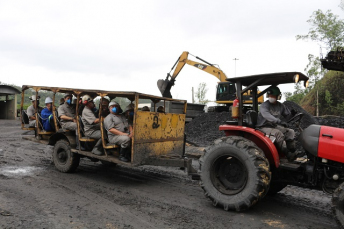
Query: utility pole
x: 317, y: 103
x: 235, y: 59
x: 193, y: 99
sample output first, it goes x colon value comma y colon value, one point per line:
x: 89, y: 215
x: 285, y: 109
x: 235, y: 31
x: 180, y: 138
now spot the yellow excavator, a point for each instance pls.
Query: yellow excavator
x: 225, y: 93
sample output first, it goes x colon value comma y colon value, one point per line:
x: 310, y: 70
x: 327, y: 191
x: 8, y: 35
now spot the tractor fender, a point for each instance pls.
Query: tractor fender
x: 256, y: 136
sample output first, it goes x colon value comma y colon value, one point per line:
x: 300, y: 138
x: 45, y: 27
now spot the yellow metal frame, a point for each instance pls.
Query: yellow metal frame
x: 157, y: 137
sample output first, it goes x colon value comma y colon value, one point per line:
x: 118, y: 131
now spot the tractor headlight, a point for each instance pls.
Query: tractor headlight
x: 296, y: 78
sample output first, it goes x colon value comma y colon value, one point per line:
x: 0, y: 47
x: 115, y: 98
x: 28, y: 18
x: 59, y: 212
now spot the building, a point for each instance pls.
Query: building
x: 8, y: 102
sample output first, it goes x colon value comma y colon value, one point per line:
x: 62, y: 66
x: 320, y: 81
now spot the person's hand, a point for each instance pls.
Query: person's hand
x: 130, y: 135
x: 284, y: 124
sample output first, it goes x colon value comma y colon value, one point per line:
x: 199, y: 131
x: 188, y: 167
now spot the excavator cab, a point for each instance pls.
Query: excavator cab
x: 225, y: 91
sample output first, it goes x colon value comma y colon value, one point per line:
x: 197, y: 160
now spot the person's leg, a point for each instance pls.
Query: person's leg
x: 289, y: 135
x: 97, y: 149
x: 73, y: 127
x: 124, y: 142
x: 276, y: 137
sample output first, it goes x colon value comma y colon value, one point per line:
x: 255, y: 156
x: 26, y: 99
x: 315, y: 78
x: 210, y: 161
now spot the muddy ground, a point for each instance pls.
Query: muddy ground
x: 33, y: 194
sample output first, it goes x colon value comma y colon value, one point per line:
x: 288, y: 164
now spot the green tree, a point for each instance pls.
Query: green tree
x: 201, y: 93
x: 328, y: 31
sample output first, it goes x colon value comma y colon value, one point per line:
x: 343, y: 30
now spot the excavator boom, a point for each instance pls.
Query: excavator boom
x: 166, y: 85
x: 226, y: 92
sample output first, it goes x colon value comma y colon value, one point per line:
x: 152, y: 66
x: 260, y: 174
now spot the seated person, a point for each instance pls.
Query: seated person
x: 31, y: 110
x: 91, y: 124
x: 145, y: 108
x: 47, y: 115
x: 129, y: 113
x: 119, y: 130
x: 160, y: 109
x: 62, y: 101
x: 269, y: 121
x: 67, y: 117
x: 105, y: 107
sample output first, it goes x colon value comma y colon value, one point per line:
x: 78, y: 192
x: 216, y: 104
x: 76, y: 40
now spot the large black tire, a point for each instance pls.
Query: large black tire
x: 64, y: 159
x: 235, y: 174
x: 338, y: 204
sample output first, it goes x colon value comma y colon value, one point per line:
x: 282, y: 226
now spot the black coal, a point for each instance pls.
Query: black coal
x: 204, y: 129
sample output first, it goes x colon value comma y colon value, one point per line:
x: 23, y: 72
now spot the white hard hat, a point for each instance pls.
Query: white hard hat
x: 113, y: 103
x: 33, y: 97
x: 48, y: 100
x: 129, y: 107
x: 86, y: 99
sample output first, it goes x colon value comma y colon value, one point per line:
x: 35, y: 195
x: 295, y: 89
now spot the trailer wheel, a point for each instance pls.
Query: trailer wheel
x: 338, y: 204
x: 235, y: 173
x: 64, y: 159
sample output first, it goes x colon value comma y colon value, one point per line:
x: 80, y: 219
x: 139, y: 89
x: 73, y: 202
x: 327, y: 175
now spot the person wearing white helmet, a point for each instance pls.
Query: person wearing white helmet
x: 119, y: 130
x: 31, y: 110
x: 47, y: 115
x: 67, y: 117
x: 91, y: 124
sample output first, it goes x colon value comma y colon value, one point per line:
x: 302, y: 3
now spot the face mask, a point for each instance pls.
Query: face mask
x: 272, y: 100
x: 69, y: 101
x: 114, y: 110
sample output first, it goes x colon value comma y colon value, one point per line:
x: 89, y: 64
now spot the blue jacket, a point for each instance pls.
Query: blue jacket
x: 46, y: 114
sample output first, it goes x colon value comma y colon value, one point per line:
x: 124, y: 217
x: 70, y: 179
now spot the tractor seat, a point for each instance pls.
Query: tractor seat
x: 251, y: 118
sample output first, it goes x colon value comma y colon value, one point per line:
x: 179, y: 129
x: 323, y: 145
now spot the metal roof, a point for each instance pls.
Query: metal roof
x: 8, y: 90
x: 269, y: 78
x: 95, y: 92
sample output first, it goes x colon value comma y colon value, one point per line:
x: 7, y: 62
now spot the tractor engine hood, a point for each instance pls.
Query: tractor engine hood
x: 324, y: 142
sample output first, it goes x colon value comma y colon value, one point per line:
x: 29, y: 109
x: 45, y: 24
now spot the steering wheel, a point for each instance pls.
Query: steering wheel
x: 297, y: 118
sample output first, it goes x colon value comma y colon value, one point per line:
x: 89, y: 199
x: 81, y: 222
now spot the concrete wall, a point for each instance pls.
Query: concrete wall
x: 8, y: 108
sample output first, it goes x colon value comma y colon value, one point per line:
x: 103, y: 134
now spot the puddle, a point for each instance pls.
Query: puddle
x: 15, y: 171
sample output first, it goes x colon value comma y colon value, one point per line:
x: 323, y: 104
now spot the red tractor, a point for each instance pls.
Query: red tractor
x: 241, y: 168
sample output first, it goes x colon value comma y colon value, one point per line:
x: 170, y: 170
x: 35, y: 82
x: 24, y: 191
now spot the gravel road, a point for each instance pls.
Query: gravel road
x: 33, y: 194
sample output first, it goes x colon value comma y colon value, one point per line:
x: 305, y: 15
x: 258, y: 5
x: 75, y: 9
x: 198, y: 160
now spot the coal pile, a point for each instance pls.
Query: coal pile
x: 204, y: 129
x: 307, y: 118
x: 334, y: 121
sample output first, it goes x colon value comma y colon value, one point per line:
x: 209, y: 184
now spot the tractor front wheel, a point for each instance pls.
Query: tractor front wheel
x: 235, y: 173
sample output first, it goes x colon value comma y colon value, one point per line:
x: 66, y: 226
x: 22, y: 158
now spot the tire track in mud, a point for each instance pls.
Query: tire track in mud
x: 305, y: 200
x: 92, y: 198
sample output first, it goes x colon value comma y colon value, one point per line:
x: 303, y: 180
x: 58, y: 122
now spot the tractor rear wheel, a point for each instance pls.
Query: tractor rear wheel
x: 338, y: 204
x: 235, y: 173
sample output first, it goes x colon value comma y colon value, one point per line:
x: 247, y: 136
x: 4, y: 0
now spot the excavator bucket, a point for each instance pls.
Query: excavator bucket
x: 165, y: 87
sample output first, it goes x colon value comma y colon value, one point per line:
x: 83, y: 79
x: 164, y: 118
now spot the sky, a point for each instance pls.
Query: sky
x: 129, y: 45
